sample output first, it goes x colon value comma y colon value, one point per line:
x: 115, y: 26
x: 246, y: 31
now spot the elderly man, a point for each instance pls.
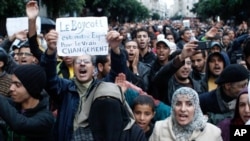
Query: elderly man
x: 219, y: 104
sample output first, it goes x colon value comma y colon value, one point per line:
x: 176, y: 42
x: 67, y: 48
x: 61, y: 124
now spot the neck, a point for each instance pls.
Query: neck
x: 30, y: 103
x: 143, y: 51
x: 147, y: 129
x: 204, y: 69
x: 164, y: 62
x: 183, y: 81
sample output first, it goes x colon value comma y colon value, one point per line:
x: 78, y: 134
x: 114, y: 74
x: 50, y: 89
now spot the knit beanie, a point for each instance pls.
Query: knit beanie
x: 232, y: 73
x: 32, y: 77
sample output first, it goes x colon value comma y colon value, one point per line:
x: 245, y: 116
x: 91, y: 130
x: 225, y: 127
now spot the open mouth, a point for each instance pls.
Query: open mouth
x: 23, y: 61
x: 131, y: 54
x: 82, y: 71
x: 183, y: 117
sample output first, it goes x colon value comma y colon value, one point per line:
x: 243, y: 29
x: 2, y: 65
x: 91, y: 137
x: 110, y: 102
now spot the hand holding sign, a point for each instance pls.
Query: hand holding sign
x: 51, y: 39
x: 78, y: 36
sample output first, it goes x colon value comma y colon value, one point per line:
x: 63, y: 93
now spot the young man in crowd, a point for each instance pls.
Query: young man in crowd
x: 26, y: 114
x: 137, y: 72
x: 143, y: 40
x: 199, y: 60
x: 215, y: 64
x: 166, y: 79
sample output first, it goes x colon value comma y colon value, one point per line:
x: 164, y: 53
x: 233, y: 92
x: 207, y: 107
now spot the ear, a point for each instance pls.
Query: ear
x: 1, y: 64
x: 99, y: 67
x: 182, y: 36
x: 35, y: 61
x: 227, y: 85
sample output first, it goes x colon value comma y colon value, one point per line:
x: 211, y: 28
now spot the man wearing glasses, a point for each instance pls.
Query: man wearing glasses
x: 25, y: 55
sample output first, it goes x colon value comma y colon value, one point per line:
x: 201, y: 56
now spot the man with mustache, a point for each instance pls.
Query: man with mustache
x: 216, y: 62
x: 219, y: 103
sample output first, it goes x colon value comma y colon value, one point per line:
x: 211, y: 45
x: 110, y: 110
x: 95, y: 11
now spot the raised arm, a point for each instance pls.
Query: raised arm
x: 118, y: 56
x: 32, y: 12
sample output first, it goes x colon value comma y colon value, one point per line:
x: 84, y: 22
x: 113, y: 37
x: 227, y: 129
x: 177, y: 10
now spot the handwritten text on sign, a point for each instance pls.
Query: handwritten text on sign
x: 78, y: 36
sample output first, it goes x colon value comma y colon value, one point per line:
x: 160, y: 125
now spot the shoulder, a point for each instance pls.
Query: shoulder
x: 211, y: 129
x: 207, y: 96
x: 162, y: 124
x: 210, y: 133
x: 224, y: 125
x: 162, y: 130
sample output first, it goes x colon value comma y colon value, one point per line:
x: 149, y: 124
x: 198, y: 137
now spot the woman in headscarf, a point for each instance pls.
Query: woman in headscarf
x: 241, y: 115
x: 186, y: 122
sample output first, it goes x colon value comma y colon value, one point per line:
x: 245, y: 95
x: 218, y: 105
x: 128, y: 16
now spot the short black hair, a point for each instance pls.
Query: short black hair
x: 25, y: 44
x: 101, y: 59
x: 4, y: 57
x: 144, y: 100
x: 141, y: 30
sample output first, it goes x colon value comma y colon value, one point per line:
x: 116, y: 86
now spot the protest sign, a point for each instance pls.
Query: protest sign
x: 17, y: 24
x: 82, y: 35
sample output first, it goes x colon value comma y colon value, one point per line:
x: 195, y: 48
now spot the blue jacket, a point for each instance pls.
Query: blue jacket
x: 217, y: 108
x: 64, y: 92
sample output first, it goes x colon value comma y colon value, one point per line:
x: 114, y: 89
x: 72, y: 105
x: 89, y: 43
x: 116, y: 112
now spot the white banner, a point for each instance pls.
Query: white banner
x: 17, y: 24
x: 82, y: 35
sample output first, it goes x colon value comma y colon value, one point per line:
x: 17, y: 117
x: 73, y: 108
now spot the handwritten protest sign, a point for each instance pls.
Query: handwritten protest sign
x: 14, y: 25
x: 82, y: 35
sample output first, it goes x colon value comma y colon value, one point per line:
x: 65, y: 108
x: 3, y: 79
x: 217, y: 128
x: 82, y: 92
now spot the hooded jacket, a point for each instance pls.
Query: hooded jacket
x: 208, y: 74
x: 34, y: 124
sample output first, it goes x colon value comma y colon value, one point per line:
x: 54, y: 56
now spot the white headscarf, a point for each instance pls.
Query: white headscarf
x: 183, y: 133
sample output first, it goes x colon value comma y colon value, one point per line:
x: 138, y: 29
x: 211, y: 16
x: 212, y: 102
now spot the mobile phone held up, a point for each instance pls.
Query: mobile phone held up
x: 203, y: 45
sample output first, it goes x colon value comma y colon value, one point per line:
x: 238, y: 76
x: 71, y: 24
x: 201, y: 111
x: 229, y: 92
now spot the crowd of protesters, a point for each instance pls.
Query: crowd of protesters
x: 160, y: 81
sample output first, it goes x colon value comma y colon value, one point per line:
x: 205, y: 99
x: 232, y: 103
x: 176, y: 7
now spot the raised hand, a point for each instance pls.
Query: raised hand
x: 114, y: 39
x: 32, y: 10
x: 211, y: 33
x: 120, y: 80
x: 188, y: 50
x: 21, y: 35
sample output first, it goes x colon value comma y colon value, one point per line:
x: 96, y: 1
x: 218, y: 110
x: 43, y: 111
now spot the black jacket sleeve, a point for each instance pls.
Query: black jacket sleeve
x: 38, y: 125
x: 34, y: 47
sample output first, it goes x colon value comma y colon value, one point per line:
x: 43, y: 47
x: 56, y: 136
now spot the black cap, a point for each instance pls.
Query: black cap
x: 32, y: 77
x: 233, y: 73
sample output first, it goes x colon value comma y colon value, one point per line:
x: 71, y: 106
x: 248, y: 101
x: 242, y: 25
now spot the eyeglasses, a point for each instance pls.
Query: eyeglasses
x: 24, y: 54
x: 80, y: 61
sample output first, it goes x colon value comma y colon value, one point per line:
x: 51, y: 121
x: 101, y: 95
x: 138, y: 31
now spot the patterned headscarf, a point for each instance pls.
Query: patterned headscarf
x: 183, y: 133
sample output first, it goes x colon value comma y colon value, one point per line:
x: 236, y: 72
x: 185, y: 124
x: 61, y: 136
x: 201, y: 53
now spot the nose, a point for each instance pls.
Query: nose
x: 183, y: 107
x: 142, y: 117
x: 195, y: 63
x: 11, y: 87
x: 247, y: 108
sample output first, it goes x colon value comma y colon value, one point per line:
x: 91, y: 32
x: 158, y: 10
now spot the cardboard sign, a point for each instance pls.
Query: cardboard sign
x: 82, y: 35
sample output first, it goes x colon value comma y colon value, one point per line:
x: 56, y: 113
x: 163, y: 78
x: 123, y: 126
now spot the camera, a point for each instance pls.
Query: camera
x: 203, y: 45
x: 238, y: 57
